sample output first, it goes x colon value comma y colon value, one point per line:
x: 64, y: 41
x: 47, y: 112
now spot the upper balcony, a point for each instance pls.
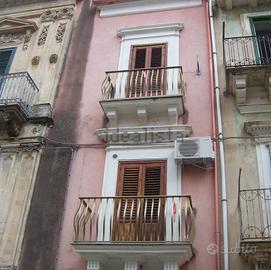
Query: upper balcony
x: 247, y: 61
x: 254, y: 206
x: 145, y: 228
x: 17, y: 93
x: 230, y: 4
x: 143, y: 96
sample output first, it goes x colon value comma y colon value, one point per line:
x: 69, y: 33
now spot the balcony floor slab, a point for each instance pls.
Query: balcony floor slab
x: 146, y: 110
x: 144, y: 252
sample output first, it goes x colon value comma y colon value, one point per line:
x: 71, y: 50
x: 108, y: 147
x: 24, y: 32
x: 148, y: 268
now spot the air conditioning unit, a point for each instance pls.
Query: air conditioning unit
x: 194, y: 150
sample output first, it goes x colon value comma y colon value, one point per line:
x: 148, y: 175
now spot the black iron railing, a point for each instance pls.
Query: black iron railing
x: 247, y: 51
x: 141, y: 218
x: 254, y: 206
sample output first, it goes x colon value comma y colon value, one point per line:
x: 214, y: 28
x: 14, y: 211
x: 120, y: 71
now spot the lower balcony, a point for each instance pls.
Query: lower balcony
x: 148, y: 95
x: 254, y: 207
x: 151, y: 232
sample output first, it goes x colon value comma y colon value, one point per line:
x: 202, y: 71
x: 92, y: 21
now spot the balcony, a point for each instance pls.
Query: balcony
x: 149, y: 229
x: 232, y: 4
x: 143, y: 96
x: 254, y: 207
x: 17, y: 92
x: 248, y: 65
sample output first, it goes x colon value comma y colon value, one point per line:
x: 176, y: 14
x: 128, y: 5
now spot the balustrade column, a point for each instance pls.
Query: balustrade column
x: 130, y: 265
x: 171, y: 266
x: 94, y: 265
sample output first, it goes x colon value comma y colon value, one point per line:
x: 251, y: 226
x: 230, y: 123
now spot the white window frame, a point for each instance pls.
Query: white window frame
x: 147, y: 35
x: 117, y: 154
x: 264, y: 165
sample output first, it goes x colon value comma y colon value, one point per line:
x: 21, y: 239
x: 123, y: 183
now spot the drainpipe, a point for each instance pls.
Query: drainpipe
x: 220, y: 144
x: 216, y: 185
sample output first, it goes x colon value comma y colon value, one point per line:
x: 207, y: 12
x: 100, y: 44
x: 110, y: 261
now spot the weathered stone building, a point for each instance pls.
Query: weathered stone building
x: 243, y: 37
x: 34, y: 37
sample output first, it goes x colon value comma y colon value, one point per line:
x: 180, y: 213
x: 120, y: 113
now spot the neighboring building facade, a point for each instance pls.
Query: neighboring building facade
x: 135, y: 200
x: 34, y: 37
x: 244, y: 53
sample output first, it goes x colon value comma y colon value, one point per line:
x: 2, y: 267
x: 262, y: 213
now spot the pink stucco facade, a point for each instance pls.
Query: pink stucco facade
x: 87, y: 170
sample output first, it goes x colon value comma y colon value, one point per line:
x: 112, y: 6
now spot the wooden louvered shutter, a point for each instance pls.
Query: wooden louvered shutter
x: 129, y: 185
x: 135, y: 217
x: 125, y: 210
x: 152, y: 212
x: 154, y: 175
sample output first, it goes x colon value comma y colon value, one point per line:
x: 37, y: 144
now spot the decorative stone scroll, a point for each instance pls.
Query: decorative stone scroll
x: 43, y: 35
x: 57, y: 14
x: 60, y: 32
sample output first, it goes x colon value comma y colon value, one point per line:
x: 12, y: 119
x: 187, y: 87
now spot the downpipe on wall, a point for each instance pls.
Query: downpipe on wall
x: 220, y: 143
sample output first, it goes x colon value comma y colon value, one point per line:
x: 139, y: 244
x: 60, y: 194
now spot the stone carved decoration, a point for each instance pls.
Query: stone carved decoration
x: 60, y: 32
x: 13, y: 30
x: 258, y: 128
x: 57, y: 14
x: 36, y: 131
x: 13, y: 126
x: 43, y: 35
x: 11, y: 38
x: 27, y: 38
x: 35, y: 60
x: 53, y: 58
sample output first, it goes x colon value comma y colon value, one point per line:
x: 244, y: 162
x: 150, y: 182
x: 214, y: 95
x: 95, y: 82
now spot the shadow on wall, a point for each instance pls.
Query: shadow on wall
x: 67, y: 104
x: 42, y: 235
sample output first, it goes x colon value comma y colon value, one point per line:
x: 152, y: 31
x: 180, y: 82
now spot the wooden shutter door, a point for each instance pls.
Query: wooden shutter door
x: 136, y: 78
x: 139, y: 219
x: 157, y: 76
x: 152, y: 227
x: 148, y: 82
x: 125, y: 211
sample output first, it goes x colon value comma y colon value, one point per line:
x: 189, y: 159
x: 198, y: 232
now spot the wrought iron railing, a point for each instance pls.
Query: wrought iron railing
x: 146, y: 82
x: 254, y: 206
x: 128, y: 219
x: 247, y: 51
x: 18, y: 88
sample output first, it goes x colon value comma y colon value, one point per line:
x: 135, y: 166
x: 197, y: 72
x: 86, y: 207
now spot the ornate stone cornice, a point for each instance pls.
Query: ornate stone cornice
x: 57, y: 14
x: 258, y: 128
x: 11, y: 25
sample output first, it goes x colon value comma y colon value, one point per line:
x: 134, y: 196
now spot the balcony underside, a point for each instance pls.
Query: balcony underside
x: 257, y: 251
x: 149, y: 110
x: 251, y: 86
x: 230, y: 4
x: 147, y: 253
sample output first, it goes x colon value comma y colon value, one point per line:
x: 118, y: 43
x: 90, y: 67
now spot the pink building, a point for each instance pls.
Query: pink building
x: 141, y: 192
